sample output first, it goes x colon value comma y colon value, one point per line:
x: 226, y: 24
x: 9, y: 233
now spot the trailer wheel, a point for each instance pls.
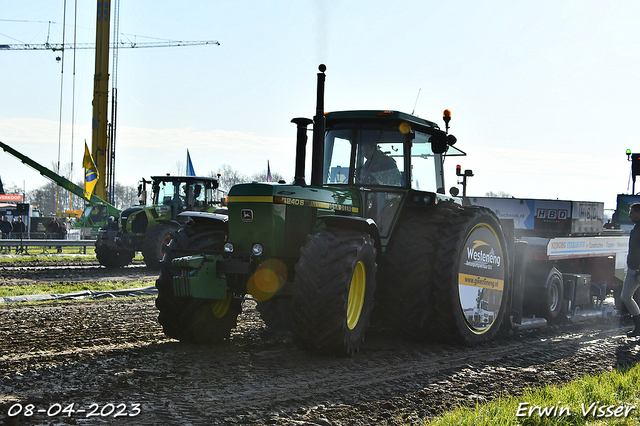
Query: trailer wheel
x: 471, y: 286
x: 547, y: 298
x: 405, y: 279
x: 333, y: 289
x: 153, y: 243
x: 113, y: 258
x: 190, y: 320
x: 553, y: 296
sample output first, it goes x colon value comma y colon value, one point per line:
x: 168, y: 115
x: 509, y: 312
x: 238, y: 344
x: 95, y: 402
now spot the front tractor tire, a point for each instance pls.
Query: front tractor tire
x: 190, y: 320
x: 113, y: 257
x: 333, y: 289
x: 471, y: 286
x: 154, y: 241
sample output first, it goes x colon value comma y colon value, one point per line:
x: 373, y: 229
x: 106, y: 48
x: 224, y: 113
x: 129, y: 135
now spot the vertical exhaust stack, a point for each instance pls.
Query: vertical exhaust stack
x: 317, y: 161
x: 301, y: 149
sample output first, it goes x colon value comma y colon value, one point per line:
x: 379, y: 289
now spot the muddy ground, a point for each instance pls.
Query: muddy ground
x: 102, y: 361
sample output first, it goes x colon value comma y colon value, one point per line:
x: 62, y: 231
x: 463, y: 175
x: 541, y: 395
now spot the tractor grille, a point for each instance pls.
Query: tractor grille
x: 139, y: 224
x: 299, y: 222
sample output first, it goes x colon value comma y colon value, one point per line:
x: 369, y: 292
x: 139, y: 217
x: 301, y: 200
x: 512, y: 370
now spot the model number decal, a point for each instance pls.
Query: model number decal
x: 317, y: 204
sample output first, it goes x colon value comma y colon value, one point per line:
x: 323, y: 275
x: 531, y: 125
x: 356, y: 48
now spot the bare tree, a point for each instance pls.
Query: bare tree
x: 44, y: 198
x: 499, y: 194
x: 125, y: 196
x: 262, y: 177
x: 229, y: 177
x: 12, y: 188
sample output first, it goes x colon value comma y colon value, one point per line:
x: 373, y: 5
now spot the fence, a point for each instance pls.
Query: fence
x: 21, y: 246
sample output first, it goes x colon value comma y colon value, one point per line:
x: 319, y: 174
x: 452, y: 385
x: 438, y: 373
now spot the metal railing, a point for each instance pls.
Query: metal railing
x: 21, y: 246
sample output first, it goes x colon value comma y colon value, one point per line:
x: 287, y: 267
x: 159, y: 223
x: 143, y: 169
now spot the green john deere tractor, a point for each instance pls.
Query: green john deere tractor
x: 316, y: 257
x: 145, y: 228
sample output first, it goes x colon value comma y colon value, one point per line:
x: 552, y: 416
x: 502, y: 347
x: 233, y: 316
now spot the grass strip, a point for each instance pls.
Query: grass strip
x: 69, y: 254
x: 70, y: 287
x: 46, y: 258
x: 607, y: 399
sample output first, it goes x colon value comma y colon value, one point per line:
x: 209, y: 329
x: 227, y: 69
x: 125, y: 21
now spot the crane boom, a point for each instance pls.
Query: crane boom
x: 67, y: 46
x: 61, y: 181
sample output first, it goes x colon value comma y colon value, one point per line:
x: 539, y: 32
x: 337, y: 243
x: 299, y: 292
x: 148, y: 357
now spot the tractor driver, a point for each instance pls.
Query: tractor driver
x: 379, y: 168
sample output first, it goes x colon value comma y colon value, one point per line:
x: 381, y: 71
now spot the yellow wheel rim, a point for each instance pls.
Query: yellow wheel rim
x: 220, y: 307
x: 356, y: 295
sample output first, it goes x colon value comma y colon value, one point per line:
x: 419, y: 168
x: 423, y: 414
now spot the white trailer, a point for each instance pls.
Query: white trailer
x: 570, y: 264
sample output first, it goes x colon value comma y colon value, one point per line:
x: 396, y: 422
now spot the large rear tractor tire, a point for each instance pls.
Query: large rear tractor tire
x: 471, y: 286
x: 190, y: 320
x: 405, y: 280
x: 113, y: 258
x: 333, y: 289
x: 153, y: 242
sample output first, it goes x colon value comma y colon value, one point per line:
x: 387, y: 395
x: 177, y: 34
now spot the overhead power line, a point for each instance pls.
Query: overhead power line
x: 61, y: 47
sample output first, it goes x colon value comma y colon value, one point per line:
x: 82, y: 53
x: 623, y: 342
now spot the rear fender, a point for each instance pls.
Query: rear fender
x: 205, y: 219
x: 360, y: 224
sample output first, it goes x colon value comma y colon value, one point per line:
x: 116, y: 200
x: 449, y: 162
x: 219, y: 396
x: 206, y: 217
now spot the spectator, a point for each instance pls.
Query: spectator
x: 19, y: 228
x: 632, y: 279
x: 53, y: 227
x: 56, y: 231
x: 5, y: 227
x: 62, y: 230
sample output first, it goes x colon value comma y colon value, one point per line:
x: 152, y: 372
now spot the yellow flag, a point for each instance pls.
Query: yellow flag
x: 90, y: 172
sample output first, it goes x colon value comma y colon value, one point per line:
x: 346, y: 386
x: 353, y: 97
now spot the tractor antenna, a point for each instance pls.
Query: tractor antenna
x: 414, y: 105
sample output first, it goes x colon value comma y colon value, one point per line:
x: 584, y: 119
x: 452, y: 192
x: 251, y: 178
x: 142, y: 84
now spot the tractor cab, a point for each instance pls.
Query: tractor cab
x: 385, y: 153
x: 184, y: 192
x: 385, y: 148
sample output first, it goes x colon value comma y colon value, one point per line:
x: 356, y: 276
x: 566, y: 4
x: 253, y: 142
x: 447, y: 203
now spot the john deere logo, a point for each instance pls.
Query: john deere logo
x: 246, y: 215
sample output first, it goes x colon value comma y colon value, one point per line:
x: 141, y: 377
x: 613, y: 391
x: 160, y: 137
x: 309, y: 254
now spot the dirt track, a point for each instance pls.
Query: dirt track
x: 113, y: 352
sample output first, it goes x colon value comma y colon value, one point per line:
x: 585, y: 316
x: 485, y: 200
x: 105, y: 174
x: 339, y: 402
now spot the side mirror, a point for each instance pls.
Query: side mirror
x: 454, y: 191
x: 438, y: 143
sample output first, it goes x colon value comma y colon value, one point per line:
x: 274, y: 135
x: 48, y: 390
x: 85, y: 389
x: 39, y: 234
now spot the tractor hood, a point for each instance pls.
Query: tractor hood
x: 280, y: 216
x: 328, y: 200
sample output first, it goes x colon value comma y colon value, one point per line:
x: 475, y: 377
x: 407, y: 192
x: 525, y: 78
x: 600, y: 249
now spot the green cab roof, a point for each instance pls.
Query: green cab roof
x: 379, y: 115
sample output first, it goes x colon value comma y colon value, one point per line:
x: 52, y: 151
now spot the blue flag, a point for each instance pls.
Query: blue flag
x: 190, y: 171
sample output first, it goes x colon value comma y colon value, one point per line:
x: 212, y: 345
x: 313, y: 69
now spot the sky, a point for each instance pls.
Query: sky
x: 543, y: 94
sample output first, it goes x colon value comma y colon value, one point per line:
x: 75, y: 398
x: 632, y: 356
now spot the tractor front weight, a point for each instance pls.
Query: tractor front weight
x: 198, y: 277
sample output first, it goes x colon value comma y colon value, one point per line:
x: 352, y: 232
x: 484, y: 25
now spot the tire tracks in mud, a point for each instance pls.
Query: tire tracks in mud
x: 76, y: 271
x: 113, y: 351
